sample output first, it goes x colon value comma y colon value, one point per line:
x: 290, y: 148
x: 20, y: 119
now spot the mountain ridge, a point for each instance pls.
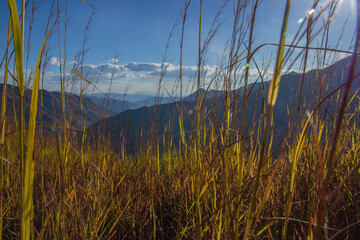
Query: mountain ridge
x: 133, y: 123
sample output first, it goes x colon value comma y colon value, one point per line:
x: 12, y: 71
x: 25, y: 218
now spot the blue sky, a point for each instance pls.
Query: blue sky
x: 136, y: 31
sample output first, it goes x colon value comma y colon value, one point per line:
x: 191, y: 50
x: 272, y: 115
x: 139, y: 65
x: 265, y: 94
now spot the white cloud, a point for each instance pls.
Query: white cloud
x: 54, y: 61
x: 139, y: 76
x: 143, y: 76
x: 91, y: 66
x: 73, y: 62
x: 114, y: 60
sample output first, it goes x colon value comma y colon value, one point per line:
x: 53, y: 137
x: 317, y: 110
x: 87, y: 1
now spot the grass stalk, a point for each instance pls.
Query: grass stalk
x: 180, y: 109
x: 246, y: 77
x: 300, y: 141
x: 273, y: 92
x: 18, y: 46
x: 324, y: 201
x: 29, y: 163
x: 197, y: 134
x: 2, y: 131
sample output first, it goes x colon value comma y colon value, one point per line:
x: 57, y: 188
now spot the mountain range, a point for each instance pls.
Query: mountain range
x: 77, y: 109
x: 141, y: 125
x: 147, y: 118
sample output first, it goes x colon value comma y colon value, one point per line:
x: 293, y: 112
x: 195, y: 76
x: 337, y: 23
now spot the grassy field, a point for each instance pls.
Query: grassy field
x: 218, y: 181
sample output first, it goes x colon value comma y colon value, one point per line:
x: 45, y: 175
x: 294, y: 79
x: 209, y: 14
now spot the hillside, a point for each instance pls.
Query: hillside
x: 50, y: 113
x: 152, y: 122
x: 113, y: 104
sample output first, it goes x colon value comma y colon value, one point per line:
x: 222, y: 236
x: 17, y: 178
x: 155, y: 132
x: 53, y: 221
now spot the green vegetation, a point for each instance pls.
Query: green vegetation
x: 247, y: 164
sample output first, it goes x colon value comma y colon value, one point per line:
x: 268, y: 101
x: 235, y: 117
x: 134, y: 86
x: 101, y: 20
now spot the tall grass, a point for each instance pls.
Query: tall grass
x: 224, y: 172
x: 28, y: 174
x: 18, y: 47
x: 3, y: 122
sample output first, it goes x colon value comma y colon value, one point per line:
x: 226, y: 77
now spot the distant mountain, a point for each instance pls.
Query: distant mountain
x: 210, y: 94
x: 114, y: 105
x: 150, y: 123
x: 150, y: 101
x: 122, y: 102
x: 51, y: 111
x: 123, y: 97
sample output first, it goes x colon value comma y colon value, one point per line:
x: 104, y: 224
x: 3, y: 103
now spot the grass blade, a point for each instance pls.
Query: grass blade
x: 18, y: 48
x: 2, y: 133
x: 17, y: 44
x: 274, y: 87
x: 29, y: 164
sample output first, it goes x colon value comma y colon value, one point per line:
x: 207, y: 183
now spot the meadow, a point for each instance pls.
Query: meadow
x: 262, y: 162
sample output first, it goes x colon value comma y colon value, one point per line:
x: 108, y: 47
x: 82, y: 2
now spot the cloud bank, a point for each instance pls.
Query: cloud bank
x: 133, y: 76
